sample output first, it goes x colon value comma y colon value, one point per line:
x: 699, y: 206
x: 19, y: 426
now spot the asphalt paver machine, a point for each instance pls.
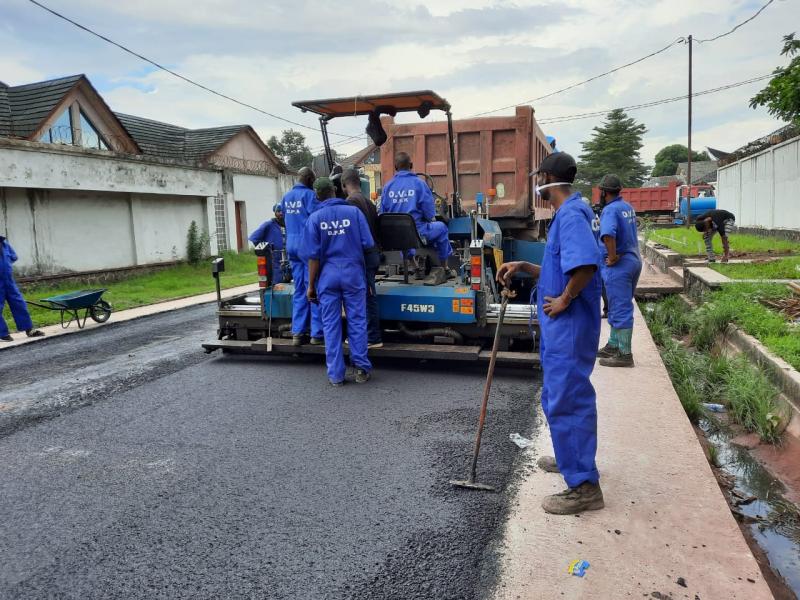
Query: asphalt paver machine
x: 453, y: 320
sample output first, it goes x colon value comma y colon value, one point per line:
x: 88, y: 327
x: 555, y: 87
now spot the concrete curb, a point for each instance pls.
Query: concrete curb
x: 662, y: 257
x: 53, y: 331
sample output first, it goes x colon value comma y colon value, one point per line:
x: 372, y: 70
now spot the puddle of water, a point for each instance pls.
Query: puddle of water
x: 778, y: 528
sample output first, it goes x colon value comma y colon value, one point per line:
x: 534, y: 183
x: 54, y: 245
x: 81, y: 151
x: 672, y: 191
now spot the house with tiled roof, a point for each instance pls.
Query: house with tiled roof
x: 703, y: 172
x: 84, y: 188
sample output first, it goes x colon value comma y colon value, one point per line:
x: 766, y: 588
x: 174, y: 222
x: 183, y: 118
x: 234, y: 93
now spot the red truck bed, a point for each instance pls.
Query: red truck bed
x: 491, y: 152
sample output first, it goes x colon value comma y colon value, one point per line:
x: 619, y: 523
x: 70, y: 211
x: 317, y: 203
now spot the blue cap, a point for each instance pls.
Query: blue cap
x: 276, y: 208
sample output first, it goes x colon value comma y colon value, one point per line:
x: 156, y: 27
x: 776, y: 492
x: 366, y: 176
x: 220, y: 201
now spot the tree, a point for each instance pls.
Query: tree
x: 291, y: 149
x: 782, y: 94
x: 668, y: 158
x: 614, y: 148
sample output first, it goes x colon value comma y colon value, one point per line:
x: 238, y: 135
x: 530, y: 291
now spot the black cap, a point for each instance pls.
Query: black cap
x: 559, y: 164
x: 610, y: 183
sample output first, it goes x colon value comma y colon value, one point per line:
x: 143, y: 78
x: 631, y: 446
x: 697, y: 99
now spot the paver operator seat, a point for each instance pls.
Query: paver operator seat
x: 398, y: 232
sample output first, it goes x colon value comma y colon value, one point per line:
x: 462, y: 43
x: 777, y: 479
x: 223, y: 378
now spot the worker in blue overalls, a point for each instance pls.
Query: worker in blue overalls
x: 271, y: 232
x: 568, y: 307
x: 298, y: 203
x: 9, y: 292
x: 407, y: 193
x: 621, y: 267
x: 336, y: 237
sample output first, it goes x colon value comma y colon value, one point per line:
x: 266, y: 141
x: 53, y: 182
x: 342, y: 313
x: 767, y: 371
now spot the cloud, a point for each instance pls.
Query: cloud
x: 479, y: 54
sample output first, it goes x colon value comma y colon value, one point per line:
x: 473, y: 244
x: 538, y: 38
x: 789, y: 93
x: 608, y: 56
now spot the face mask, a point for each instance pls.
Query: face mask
x: 539, y: 188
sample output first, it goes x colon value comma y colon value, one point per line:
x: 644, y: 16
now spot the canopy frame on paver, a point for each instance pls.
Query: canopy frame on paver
x: 422, y: 101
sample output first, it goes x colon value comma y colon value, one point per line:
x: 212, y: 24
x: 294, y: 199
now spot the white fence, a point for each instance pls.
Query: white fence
x: 763, y: 190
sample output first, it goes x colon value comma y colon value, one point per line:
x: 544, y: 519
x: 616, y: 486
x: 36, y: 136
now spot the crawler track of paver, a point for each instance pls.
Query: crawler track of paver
x: 134, y: 466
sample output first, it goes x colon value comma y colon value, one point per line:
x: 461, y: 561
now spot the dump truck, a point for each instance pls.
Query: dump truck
x: 665, y: 205
x: 479, y: 172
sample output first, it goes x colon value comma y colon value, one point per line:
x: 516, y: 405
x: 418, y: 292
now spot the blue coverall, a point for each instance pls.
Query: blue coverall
x: 269, y: 232
x: 9, y: 292
x: 569, y: 342
x: 337, y: 235
x: 298, y: 203
x: 407, y: 193
x: 618, y: 220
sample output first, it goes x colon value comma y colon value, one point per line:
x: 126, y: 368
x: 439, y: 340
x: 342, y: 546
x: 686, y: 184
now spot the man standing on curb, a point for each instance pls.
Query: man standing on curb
x: 568, y: 306
x: 372, y: 256
x: 621, y: 268
x: 335, y: 239
x: 298, y: 204
x: 9, y: 292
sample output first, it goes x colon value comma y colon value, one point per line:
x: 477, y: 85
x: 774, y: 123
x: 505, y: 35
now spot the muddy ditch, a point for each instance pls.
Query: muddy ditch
x: 763, y: 505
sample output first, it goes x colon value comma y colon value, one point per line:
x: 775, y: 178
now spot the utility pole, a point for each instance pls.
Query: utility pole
x: 689, y: 158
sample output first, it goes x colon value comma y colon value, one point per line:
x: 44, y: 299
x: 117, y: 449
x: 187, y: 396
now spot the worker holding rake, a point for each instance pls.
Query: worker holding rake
x: 568, y: 306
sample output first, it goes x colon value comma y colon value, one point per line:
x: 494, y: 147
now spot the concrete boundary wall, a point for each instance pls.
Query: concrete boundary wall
x: 62, y: 231
x: 763, y: 190
x: 71, y: 210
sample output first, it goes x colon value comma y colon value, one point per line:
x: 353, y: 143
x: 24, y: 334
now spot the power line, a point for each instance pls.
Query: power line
x: 588, y: 115
x: 599, y: 113
x: 745, y: 22
x: 574, y: 85
x: 174, y: 73
x: 614, y: 70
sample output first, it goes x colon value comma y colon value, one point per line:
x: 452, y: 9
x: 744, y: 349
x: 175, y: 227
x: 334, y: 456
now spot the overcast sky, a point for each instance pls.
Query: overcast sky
x: 479, y: 54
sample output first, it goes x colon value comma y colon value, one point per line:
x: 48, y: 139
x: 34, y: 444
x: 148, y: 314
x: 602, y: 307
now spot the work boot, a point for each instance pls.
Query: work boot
x: 587, y: 496
x: 548, y: 463
x: 437, y: 276
x: 607, y: 351
x: 34, y: 333
x: 297, y: 340
x: 617, y: 360
x: 7, y: 338
x: 336, y: 383
x: 317, y: 341
x: 362, y: 376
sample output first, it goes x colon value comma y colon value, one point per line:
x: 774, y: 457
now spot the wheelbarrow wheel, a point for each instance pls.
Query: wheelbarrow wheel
x: 100, y: 312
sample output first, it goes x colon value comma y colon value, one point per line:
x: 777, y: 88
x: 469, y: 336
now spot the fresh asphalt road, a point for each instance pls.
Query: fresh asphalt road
x: 134, y: 466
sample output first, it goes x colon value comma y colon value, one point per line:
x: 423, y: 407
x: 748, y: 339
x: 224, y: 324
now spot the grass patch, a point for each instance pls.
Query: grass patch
x: 785, y: 268
x: 740, y: 304
x: 690, y: 242
x: 698, y: 376
x: 752, y: 401
x: 174, y: 282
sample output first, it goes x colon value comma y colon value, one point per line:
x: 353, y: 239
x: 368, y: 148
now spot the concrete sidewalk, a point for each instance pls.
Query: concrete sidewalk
x: 665, y: 516
x: 127, y: 315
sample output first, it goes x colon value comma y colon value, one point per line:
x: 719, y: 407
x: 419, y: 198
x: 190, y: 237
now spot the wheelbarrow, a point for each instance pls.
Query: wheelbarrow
x: 71, y: 304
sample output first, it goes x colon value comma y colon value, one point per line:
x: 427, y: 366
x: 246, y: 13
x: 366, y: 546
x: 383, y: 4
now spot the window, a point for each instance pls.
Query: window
x: 89, y: 136
x: 60, y: 132
x: 65, y: 131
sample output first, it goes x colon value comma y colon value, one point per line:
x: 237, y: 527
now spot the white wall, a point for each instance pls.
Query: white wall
x: 160, y: 225
x: 259, y: 193
x: 763, y: 190
x: 56, y: 231
x: 27, y: 165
